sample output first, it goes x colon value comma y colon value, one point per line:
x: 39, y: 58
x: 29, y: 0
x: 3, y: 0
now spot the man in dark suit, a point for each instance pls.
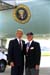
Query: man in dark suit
x: 16, y: 54
x: 33, y: 54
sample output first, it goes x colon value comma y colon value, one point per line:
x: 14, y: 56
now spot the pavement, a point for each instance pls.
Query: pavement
x: 43, y: 71
x: 44, y: 67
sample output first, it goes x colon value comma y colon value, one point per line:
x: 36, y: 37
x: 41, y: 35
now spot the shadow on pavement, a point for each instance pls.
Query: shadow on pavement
x: 43, y: 71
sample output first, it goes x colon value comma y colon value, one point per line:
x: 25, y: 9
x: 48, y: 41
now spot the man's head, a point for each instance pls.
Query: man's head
x: 19, y: 33
x: 30, y: 36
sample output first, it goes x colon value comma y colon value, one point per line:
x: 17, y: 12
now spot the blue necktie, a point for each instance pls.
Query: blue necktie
x: 28, y: 45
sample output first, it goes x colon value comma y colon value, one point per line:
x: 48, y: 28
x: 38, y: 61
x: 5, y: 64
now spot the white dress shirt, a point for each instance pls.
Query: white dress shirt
x: 30, y: 42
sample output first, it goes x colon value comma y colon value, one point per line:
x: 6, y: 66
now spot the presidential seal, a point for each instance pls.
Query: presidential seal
x: 22, y: 14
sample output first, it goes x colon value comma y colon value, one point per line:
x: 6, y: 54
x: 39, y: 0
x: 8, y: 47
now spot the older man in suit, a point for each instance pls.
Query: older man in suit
x: 16, y: 54
x: 33, y: 54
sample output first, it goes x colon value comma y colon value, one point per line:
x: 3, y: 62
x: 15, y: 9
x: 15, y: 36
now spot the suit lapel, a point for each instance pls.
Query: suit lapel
x: 16, y: 41
x: 31, y: 44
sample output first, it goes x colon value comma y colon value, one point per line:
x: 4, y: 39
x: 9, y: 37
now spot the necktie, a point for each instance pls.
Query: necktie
x: 28, y: 45
x: 20, y: 43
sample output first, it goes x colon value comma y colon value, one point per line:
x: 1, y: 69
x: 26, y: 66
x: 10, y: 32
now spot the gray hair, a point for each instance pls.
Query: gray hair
x: 19, y: 30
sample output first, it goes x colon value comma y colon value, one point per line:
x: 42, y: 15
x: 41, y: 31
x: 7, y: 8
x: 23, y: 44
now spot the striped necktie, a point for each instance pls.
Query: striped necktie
x: 20, y: 43
x: 28, y: 45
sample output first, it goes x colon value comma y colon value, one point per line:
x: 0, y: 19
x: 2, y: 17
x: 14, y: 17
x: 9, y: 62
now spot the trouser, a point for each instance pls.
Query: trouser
x: 17, y: 70
x: 31, y: 71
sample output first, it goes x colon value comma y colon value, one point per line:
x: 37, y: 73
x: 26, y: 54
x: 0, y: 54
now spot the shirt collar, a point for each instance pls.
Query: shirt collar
x: 19, y: 39
x: 30, y: 41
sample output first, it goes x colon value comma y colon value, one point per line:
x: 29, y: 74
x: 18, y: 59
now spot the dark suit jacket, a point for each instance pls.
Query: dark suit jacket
x: 33, y: 55
x: 15, y: 53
